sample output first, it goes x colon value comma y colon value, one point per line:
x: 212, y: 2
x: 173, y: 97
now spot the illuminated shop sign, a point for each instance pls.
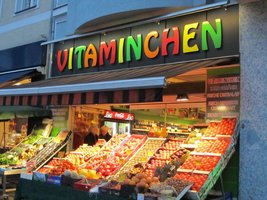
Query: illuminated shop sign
x: 108, y: 114
x: 202, y: 35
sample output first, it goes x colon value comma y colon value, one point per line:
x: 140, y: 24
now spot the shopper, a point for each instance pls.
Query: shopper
x: 104, y: 134
x: 92, y: 137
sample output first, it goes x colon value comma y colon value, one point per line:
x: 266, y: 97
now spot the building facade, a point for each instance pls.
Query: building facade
x: 252, y: 173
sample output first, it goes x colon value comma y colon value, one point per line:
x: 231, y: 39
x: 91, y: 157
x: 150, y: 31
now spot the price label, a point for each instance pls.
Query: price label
x: 140, y: 196
x: 172, y: 168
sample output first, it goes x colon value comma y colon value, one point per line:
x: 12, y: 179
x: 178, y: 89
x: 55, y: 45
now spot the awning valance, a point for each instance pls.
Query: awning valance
x: 130, y: 85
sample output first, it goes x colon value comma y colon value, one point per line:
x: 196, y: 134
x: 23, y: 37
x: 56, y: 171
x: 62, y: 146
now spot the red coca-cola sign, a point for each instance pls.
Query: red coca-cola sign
x: 118, y: 115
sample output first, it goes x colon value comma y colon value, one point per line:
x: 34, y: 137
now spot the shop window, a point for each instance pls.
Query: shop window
x: 23, y: 5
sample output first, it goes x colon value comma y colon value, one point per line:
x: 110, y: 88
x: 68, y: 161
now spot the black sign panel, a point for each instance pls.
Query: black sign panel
x: 206, y: 34
x: 22, y: 57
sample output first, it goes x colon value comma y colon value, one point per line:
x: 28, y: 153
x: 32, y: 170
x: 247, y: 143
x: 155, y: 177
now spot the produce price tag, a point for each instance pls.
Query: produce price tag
x: 172, y: 168
x: 140, y: 196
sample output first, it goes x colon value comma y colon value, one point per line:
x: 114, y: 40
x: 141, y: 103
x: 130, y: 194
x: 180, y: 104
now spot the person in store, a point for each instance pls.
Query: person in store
x: 92, y: 137
x: 104, y: 134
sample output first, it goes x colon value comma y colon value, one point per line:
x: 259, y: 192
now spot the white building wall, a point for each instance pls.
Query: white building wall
x: 25, y: 27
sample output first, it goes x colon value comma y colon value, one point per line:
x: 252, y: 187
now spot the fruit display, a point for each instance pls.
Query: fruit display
x: 193, y: 137
x: 96, y: 160
x: 141, y: 181
x: 121, y: 155
x: 149, y: 172
x: 145, y: 163
x: 225, y: 127
x: 172, y: 144
x: 143, y: 155
x: 9, y: 159
x: 212, y: 129
x: 197, y: 179
x: 32, y: 138
x: 59, y: 166
x: 47, y: 151
x: 22, y: 153
x: 82, y: 154
x: 213, y: 146
x: 199, y: 162
x: 114, y: 142
x: 89, y: 174
x: 178, y: 184
x: 181, y: 154
x: 45, y: 169
x: 76, y: 158
x: 164, y: 153
x: 88, y: 150
x: 28, y: 148
x: 167, y: 170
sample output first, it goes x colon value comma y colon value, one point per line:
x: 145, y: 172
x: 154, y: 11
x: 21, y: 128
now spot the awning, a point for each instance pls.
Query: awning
x: 10, y: 112
x: 132, y: 85
x: 14, y: 75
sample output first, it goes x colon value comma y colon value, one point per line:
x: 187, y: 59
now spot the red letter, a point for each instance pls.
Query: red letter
x: 61, y: 66
x: 107, y: 50
x: 167, y: 40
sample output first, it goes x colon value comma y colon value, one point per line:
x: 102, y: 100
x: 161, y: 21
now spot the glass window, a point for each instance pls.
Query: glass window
x: 22, y: 5
x: 1, y: 7
x: 60, y: 26
x: 58, y: 3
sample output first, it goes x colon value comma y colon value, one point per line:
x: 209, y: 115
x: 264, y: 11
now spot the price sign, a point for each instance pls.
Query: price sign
x: 223, y: 93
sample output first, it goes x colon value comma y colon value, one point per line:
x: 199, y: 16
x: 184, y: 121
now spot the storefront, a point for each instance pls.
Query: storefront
x: 167, y: 79
x: 20, y: 65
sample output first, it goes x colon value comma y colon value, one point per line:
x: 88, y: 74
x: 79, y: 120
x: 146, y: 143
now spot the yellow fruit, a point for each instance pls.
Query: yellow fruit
x: 83, y: 171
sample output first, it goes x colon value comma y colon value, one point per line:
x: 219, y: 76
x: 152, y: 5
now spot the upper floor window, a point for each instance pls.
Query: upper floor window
x: 22, y: 5
x: 58, y: 3
x: 1, y: 7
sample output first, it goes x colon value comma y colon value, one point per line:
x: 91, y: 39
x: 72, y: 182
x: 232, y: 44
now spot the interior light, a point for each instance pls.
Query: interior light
x: 21, y: 82
x: 182, y: 97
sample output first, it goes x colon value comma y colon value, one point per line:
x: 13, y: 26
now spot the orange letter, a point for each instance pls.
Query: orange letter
x: 92, y: 56
x: 147, y: 51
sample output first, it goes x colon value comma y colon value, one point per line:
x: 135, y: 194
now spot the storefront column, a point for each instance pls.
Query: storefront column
x: 253, y: 135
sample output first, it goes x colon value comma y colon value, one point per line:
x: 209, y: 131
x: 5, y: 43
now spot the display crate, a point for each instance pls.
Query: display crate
x: 48, y: 152
x: 138, y: 157
x: 86, y: 184
x: 68, y: 181
x: 111, y: 187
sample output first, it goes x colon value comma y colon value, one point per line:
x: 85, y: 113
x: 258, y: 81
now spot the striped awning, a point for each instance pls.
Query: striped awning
x: 133, y: 85
x: 105, y: 97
